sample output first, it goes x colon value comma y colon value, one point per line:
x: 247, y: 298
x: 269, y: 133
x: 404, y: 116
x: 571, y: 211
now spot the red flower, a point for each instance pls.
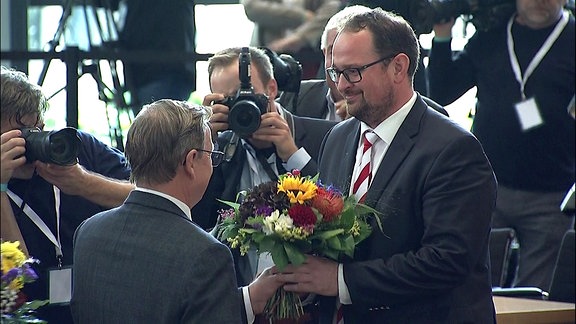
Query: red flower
x: 328, y: 203
x: 302, y: 215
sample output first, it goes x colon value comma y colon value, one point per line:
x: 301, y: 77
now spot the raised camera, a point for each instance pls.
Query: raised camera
x: 246, y: 107
x: 59, y: 147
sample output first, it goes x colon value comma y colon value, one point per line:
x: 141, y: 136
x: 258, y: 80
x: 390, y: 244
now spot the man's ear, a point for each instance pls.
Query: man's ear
x: 399, y: 66
x: 191, y: 161
x: 272, y: 89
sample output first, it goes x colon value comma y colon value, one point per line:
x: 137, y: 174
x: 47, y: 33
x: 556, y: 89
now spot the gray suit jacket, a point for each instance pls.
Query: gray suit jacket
x: 436, y: 191
x: 146, y: 262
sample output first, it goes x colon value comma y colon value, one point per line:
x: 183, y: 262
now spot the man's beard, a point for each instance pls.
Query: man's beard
x: 371, y: 114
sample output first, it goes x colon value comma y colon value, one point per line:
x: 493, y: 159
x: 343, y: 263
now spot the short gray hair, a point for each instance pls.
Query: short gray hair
x: 161, y: 136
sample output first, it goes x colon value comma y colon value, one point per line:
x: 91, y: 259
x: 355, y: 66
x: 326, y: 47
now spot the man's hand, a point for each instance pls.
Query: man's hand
x: 274, y: 129
x: 263, y: 288
x: 342, y: 109
x: 315, y: 275
x: 12, y: 149
x: 219, y: 118
x: 70, y: 179
x: 289, y: 44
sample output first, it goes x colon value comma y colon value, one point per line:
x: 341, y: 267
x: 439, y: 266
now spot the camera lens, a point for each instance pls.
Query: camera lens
x: 58, y: 147
x: 244, y: 118
x: 64, y: 147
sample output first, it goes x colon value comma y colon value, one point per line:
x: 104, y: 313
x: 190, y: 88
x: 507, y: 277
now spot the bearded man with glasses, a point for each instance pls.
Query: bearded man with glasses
x: 429, y: 179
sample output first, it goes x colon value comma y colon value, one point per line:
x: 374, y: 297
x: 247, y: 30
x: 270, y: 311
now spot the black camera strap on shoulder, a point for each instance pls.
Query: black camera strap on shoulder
x: 264, y: 162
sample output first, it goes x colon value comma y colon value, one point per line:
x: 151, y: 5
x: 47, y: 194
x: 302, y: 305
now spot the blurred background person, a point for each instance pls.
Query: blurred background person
x: 162, y: 26
x: 291, y: 26
x: 45, y: 202
x: 525, y: 78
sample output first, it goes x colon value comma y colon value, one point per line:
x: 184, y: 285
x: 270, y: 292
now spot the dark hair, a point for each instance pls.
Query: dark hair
x: 390, y: 34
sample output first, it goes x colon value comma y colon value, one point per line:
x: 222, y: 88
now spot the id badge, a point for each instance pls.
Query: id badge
x: 528, y: 114
x: 60, y: 285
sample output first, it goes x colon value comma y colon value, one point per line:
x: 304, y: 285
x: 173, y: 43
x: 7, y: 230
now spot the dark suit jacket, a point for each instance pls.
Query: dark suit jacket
x: 436, y: 191
x: 146, y: 262
x: 312, y: 102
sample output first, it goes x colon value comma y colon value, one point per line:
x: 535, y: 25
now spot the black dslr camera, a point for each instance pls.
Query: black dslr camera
x: 59, y: 147
x: 246, y: 107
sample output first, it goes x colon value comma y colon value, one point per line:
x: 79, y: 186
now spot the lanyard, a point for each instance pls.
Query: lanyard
x: 41, y: 224
x: 539, y: 55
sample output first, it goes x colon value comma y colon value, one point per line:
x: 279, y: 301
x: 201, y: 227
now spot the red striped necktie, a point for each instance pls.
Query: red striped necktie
x: 360, y: 187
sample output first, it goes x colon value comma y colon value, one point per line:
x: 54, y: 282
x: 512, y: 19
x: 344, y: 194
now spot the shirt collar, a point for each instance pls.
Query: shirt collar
x: 388, y: 128
x: 176, y: 201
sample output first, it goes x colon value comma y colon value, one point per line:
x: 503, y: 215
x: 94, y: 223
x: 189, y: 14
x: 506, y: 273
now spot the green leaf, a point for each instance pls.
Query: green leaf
x: 331, y: 254
x: 294, y: 255
x: 348, y: 245
x: 266, y: 244
x: 334, y: 243
x: 325, y: 235
x: 229, y: 203
x: 279, y: 256
x: 35, y: 304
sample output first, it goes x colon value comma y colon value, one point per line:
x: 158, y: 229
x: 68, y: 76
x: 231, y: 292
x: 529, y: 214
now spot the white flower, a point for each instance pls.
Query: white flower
x: 277, y: 223
x: 269, y: 222
x: 283, y: 224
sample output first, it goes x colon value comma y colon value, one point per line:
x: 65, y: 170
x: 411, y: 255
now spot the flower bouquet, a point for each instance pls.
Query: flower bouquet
x: 294, y: 216
x: 16, y: 272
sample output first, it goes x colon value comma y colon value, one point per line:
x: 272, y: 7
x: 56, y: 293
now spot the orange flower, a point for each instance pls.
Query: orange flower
x: 328, y: 203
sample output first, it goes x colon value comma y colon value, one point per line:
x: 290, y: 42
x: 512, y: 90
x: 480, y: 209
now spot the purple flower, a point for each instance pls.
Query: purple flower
x: 11, y: 275
x: 29, y: 273
x: 264, y: 210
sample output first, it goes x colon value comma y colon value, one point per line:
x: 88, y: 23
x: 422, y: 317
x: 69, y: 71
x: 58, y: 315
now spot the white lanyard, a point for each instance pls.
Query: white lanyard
x: 539, y: 55
x: 41, y: 224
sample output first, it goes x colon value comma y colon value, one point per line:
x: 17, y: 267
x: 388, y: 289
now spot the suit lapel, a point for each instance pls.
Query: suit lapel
x: 400, y: 147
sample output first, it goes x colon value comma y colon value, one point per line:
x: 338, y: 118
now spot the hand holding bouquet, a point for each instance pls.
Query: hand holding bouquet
x: 294, y: 216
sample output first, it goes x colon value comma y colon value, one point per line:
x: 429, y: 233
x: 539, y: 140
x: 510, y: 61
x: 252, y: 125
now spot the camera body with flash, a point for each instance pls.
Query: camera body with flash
x: 246, y: 107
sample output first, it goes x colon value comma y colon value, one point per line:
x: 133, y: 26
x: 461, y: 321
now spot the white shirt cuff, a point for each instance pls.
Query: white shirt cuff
x: 298, y: 160
x: 343, y: 293
x: 248, y: 305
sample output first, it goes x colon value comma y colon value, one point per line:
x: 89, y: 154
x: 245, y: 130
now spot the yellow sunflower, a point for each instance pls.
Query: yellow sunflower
x: 297, y: 189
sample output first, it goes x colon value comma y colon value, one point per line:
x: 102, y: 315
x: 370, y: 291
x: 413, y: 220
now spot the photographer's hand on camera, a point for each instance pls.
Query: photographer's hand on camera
x: 274, y: 129
x: 219, y: 118
x: 13, y: 148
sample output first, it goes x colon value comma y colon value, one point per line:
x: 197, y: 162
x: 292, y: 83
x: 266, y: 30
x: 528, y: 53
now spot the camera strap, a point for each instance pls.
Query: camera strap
x: 55, y: 239
x: 264, y: 162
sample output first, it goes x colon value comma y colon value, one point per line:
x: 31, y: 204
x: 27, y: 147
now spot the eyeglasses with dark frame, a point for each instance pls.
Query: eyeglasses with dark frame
x: 216, y: 156
x: 353, y: 75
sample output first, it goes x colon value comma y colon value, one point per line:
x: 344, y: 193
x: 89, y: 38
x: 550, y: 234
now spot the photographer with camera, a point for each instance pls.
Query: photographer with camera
x: 260, y: 139
x: 524, y: 72
x: 51, y: 182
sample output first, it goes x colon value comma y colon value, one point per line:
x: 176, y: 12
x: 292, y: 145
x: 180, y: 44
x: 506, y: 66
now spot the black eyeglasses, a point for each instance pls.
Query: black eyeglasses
x: 216, y: 156
x: 353, y: 75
